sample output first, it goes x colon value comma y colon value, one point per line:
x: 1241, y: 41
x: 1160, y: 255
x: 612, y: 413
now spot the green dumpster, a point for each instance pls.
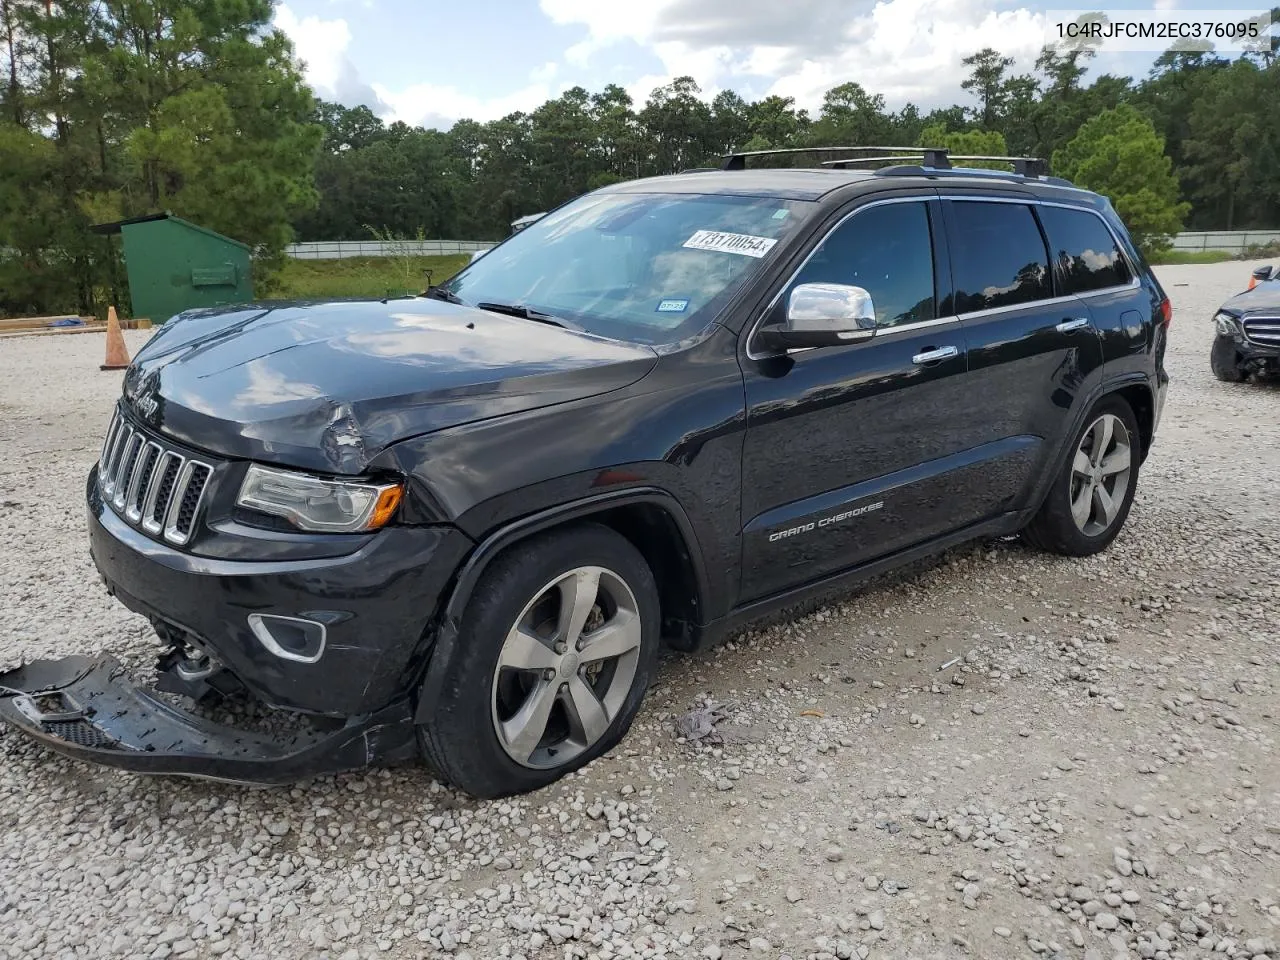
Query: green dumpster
x: 174, y: 265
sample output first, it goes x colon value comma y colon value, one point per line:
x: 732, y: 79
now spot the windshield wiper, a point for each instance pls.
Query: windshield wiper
x: 525, y: 313
x: 440, y: 293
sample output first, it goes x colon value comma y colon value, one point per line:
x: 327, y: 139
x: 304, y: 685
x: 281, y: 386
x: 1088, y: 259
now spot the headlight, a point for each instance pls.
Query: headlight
x: 1228, y: 325
x: 313, y: 503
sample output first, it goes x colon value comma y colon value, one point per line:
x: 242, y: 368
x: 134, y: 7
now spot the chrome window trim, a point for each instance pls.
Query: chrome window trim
x: 1013, y: 307
x: 1133, y: 283
x: 918, y: 325
x: 881, y: 333
x: 752, y: 355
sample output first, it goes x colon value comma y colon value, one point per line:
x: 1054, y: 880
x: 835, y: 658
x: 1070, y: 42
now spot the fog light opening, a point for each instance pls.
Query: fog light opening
x: 289, y: 638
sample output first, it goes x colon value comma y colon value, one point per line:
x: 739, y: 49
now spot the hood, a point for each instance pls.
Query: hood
x: 328, y: 386
x: 1265, y: 297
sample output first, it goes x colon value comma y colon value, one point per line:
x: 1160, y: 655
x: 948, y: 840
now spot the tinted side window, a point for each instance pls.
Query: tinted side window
x: 887, y: 250
x: 998, y: 256
x: 1084, y: 249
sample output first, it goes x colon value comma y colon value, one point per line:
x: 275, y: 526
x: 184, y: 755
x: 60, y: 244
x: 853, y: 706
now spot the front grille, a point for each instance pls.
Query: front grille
x: 1264, y: 331
x: 151, y: 485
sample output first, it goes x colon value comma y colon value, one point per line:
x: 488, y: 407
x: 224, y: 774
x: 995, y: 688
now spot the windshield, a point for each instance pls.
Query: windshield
x: 644, y: 267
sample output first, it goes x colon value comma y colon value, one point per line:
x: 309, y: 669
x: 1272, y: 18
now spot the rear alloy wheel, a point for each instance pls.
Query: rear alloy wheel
x: 1090, y: 500
x: 552, y: 659
x: 1100, y: 474
x: 1224, y: 360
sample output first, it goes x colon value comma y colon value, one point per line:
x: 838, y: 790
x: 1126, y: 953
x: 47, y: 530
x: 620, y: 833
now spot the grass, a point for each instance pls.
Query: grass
x: 362, y: 276
x: 396, y: 276
x: 1191, y: 256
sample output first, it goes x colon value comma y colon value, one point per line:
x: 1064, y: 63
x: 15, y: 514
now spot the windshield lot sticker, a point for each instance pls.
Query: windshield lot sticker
x: 740, y: 243
x: 672, y: 306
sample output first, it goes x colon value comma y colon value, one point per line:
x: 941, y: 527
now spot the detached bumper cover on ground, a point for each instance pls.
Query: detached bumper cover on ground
x: 88, y: 709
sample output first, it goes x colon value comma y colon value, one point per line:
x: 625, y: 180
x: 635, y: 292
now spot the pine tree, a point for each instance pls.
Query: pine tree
x: 1119, y: 155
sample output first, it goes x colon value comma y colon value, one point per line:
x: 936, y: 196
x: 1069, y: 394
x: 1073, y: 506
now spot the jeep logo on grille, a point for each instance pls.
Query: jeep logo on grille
x: 147, y: 405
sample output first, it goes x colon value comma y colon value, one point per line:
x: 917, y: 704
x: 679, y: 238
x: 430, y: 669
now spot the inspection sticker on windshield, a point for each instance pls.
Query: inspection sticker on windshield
x: 672, y: 305
x: 740, y: 243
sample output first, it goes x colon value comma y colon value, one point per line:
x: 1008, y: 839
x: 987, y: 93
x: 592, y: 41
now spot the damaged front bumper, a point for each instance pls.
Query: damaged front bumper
x: 87, y: 708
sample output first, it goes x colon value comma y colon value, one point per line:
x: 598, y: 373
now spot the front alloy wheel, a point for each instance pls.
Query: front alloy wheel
x: 551, y: 660
x: 566, y: 667
x: 1100, y: 475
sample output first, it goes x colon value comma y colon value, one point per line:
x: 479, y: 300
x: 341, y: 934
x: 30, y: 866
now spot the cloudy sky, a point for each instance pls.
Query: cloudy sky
x: 430, y: 62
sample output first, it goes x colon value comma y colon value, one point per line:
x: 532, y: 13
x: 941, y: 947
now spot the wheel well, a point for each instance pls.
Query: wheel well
x: 1139, y: 399
x: 654, y: 532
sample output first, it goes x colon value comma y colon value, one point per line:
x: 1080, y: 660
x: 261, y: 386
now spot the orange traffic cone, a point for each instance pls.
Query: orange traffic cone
x: 117, y: 352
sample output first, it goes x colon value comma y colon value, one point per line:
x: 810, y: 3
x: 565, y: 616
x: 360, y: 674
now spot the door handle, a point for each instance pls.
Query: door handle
x: 1073, y: 323
x: 936, y: 354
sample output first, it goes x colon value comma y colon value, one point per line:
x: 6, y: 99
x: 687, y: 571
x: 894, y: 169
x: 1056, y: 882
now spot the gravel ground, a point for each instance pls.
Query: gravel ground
x: 1001, y: 756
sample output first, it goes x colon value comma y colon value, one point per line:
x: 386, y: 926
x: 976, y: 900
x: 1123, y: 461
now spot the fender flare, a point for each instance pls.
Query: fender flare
x: 1059, y: 461
x: 469, y: 574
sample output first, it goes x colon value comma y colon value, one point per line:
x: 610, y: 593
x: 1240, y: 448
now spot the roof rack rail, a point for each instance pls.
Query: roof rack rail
x: 932, y: 159
x: 738, y: 159
x: 908, y: 158
x: 1022, y: 166
x: 917, y: 170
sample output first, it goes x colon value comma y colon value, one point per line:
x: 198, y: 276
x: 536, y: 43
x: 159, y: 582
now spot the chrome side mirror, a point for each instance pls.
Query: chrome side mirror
x: 821, y: 315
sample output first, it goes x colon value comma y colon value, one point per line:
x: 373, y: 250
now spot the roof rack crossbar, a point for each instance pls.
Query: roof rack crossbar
x: 738, y: 159
x: 938, y: 159
x: 1023, y: 166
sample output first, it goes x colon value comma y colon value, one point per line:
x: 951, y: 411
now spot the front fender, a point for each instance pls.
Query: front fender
x: 502, y: 538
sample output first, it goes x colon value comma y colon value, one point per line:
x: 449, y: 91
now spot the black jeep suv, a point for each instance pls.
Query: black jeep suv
x: 465, y: 523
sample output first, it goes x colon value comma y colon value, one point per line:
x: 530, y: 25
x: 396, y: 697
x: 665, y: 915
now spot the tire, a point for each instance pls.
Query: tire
x: 503, y: 685
x: 1057, y: 527
x: 1225, y: 360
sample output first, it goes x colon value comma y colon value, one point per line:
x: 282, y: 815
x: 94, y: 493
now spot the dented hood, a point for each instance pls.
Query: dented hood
x: 328, y: 386
x: 1265, y: 298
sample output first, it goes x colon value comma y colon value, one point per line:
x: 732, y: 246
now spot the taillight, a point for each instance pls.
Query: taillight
x: 1166, y: 313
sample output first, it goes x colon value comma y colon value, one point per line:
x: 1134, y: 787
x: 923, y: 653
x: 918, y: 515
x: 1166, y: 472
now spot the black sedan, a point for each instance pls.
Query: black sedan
x: 1248, y: 335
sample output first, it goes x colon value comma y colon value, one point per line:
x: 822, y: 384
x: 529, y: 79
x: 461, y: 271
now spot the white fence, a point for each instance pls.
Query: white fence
x: 1234, y: 241
x: 340, y: 249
